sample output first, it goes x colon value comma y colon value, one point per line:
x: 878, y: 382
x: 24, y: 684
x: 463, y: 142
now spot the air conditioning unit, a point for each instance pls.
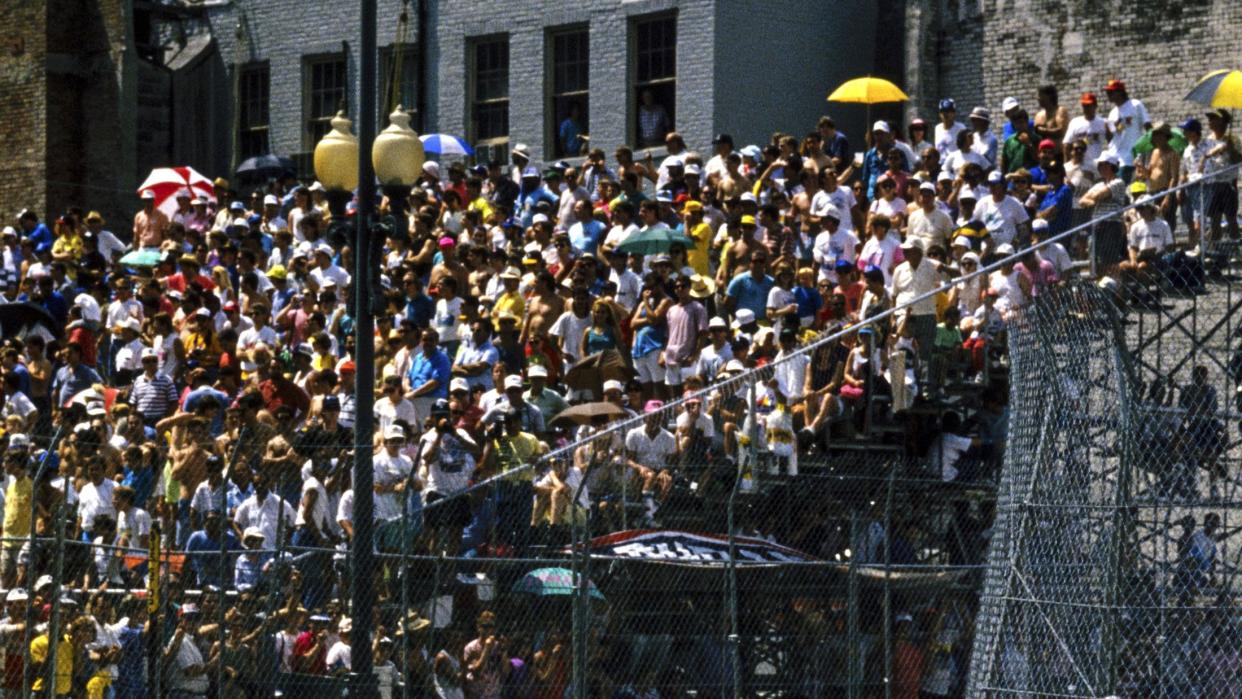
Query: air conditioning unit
x: 486, y: 152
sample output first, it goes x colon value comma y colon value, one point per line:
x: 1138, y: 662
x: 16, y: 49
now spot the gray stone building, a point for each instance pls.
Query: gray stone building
x: 500, y: 73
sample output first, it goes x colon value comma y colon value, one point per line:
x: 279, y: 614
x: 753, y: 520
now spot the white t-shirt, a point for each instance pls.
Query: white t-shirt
x: 946, y: 138
x: 831, y: 247
x: 954, y: 161
x: 618, y: 233
x: 883, y: 254
x: 252, y: 336
x: 704, y: 424
x: 842, y: 198
x: 449, y: 472
x: 570, y: 327
x: 320, y: 514
x: 265, y: 516
x: 446, y: 322
x: 1093, y: 131
x: 946, y: 449
x: 338, y: 657
x: 1127, y: 120
x: 1150, y: 235
x: 652, y: 452
x: 573, y: 480
x: 1001, y: 217
x: 95, y: 500
x: 387, y: 412
x: 1056, y: 254
x: 134, y: 524
x: 883, y: 207
x: 390, y: 470
x: 17, y: 404
x: 629, y: 287
x: 790, y: 374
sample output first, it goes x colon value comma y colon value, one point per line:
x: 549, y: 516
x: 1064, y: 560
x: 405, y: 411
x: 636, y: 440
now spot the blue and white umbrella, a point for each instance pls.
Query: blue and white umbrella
x: 445, y: 144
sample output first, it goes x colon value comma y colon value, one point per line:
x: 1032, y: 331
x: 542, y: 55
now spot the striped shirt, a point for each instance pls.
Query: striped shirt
x: 153, y: 397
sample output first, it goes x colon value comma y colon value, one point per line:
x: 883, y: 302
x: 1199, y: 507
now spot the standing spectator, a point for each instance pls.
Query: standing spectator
x: 1052, y: 119
x: 1128, y: 120
x: 153, y: 395
x: 914, y: 278
x: 1222, y: 189
x: 1005, y: 217
x: 945, y: 133
x: 203, y: 551
x: 429, y: 376
x: 485, y: 659
x: 150, y: 224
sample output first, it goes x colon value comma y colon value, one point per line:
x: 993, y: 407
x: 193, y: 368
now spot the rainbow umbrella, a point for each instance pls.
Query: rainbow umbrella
x: 1220, y: 88
x: 552, y: 582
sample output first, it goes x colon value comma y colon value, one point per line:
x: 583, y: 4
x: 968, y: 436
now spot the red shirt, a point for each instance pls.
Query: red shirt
x: 178, y: 282
x: 85, y: 339
x: 305, y: 641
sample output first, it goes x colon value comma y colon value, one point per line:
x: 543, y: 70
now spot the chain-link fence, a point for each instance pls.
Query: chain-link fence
x: 817, y: 525
x: 1112, y: 568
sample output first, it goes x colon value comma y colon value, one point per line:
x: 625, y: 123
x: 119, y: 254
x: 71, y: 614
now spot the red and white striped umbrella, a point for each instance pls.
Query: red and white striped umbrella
x: 165, y: 182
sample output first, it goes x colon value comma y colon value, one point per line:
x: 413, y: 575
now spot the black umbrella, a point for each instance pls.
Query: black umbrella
x: 266, y: 166
x: 16, y: 319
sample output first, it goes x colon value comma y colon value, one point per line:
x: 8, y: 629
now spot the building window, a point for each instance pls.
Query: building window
x: 253, y: 88
x: 325, y: 93
x: 489, y: 91
x: 655, y: 78
x: 570, y: 92
x: 399, y: 83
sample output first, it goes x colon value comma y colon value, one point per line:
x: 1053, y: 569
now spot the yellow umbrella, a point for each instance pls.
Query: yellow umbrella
x: 1220, y: 88
x: 868, y: 90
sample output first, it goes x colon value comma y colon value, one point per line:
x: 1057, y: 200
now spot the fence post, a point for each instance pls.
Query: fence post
x: 851, y: 610
x: 58, y: 571
x: 403, y: 578
x: 30, y: 579
x: 734, y: 639
x: 888, y: 591
x: 1091, y: 252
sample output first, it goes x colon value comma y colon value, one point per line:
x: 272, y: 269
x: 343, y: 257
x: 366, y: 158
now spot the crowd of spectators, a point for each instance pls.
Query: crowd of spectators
x: 212, y: 392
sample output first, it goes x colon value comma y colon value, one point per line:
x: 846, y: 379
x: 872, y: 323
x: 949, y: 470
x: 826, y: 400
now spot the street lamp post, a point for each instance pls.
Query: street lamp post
x: 397, y: 155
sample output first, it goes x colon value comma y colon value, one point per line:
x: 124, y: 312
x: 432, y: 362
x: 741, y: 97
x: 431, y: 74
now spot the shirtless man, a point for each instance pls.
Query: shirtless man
x: 1052, y: 119
x: 189, y: 454
x: 544, y: 306
x: 739, y: 252
x: 450, y: 265
x: 626, y: 163
x: 801, y: 203
x: 734, y: 182
x: 1163, y: 167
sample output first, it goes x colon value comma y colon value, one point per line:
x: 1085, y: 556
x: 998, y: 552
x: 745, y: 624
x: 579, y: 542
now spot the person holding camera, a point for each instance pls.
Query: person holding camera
x: 486, y: 661
x: 446, y: 462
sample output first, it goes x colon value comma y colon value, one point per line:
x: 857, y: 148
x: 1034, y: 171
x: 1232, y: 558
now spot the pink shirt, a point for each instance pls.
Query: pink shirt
x: 685, y: 323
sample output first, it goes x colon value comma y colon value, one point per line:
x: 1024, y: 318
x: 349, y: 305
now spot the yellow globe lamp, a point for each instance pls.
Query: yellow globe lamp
x: 397, y: 153
x: 336, y: 156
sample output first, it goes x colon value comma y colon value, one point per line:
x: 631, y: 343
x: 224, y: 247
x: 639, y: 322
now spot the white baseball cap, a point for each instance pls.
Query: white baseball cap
x: 744, y: 316
x: 394, y: 432
x: 880, y: 125
x: 537, y: 371
x: 831, y: 211
x: 1004, y: 249
x: 513, y: 381
x: 614, y: 385
x: 962, y: 241
x: 1039, y: 224
x: 717, y: 322
x: 539, y: 218
x: 1010, y: 103
x: 271, y: 200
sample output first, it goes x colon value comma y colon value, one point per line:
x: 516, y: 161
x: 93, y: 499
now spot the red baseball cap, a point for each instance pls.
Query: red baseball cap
x: 348, y: 366
x: 1047, y: 143
x: 1115, y: 85
x: 1088, y: 98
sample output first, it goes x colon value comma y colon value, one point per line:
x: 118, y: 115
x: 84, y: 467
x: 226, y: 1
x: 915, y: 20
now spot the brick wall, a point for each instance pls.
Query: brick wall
x: 990, y: 49
x: 22, y: 115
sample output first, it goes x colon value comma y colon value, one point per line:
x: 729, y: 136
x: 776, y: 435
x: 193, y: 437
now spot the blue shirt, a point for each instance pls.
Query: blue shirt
x: 203, y: 555
x: 570, y: 134
x: 248, y: 572
x: 1008, y: 130
x: 132, y: 666
x: 586, y: 236
x: 23, y: 379
x: 420, y: 309
x: 437, y: 367
x: 809, y: 301
x: 56, y: 306
x: 524, y: 207
x: 752, y: 293
x: 69, y: 383
x: 40, y: 234
x: 1063, y: 200
x: 143, y: 483
x: 198, y: 395
x: 485, y: 353
x: 873, y: 166
x: 839, y: 147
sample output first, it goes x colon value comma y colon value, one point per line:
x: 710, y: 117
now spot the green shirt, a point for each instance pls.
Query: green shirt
x: 549, y: 402
x: 1016, y: 155
x: 947, y: 338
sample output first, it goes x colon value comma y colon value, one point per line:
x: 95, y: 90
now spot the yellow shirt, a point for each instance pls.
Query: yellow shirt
x: 64, y: 664
x: 17, y: 500
x: 68, y: 244
x: 698, y: 255
x: 516, y: 451
x: 480, y: 205
x: 511, y: 302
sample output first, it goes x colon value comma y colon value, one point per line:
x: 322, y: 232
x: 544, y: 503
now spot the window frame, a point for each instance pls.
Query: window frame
x: 666, y: 83
x: 249, y: 128
x: 473, y: 100
x: 309, y: 100
x: 556, y: 93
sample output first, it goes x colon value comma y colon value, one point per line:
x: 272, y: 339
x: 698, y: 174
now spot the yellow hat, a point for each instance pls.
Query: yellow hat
x: 1138, y: 188
x: 94, y: 216
x: 692, y: 205
x: 277, y: 272
x: 748, y: 220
